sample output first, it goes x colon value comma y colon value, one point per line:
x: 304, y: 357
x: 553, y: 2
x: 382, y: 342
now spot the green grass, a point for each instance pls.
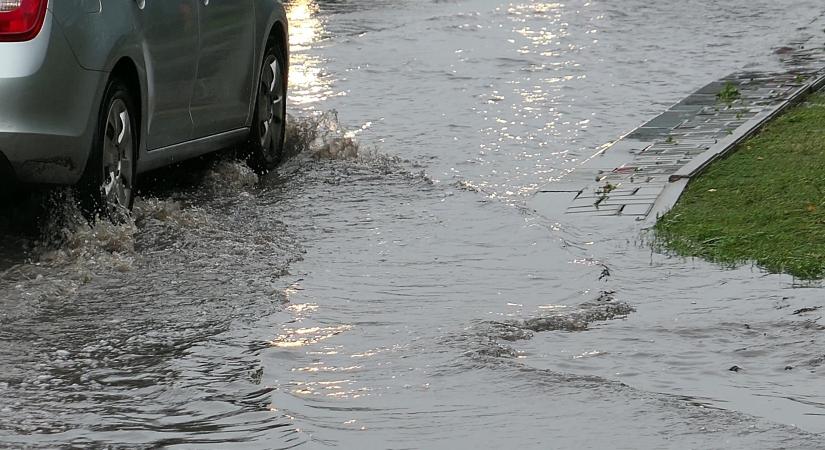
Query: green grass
x: 765, y: 203
x: 729, y: 93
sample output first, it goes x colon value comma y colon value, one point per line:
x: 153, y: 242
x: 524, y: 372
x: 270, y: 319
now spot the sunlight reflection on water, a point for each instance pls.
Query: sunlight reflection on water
x: 307, y: 81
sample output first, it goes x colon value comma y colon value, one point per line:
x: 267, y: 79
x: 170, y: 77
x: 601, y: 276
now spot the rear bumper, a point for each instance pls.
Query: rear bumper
x: 48, y: 108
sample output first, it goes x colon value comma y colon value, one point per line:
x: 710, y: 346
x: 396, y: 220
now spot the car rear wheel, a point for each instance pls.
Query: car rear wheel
x: 107, y: 188
x: 266, y: 141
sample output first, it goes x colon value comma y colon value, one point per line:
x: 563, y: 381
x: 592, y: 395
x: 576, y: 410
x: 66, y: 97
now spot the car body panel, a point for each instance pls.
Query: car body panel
x: 96, y: 34
x: 170, y: 40
x: 50, y: 96
x: 156, y: 159
x: 223, y: 85
x: 48, y: 109
x: 165, y: 36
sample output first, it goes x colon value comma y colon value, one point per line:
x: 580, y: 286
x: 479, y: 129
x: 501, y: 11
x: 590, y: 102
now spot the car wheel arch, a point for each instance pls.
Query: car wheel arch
x: 277, y: 31
x: 126, y: 71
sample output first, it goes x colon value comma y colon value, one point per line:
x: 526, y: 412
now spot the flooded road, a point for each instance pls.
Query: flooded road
x: 388, y: 288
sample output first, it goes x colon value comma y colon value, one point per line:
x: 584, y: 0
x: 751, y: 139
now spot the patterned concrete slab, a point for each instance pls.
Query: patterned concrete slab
x: 643, y: 174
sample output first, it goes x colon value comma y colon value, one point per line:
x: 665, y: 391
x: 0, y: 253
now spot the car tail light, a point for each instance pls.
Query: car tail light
x: 21, y: 20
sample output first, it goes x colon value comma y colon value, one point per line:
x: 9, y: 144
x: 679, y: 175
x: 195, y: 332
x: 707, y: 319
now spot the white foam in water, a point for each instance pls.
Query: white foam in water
x: 229, y: 175
x: 321, y: 137
x: 165, y: 211
x: 69, y: 239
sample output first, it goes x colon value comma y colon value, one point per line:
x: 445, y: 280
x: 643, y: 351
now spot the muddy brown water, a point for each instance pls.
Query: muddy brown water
x: 387, y: 288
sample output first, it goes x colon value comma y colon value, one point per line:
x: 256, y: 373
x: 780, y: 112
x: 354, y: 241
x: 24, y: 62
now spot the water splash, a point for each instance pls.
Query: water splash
x: 67, y: 238
x: 154, y: 211
x: 602, y: 309
x: 229, y: 175
x: 321, y: 137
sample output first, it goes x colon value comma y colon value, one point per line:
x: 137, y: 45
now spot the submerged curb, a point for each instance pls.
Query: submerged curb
x: 678, y: 181
x: 643, y: 174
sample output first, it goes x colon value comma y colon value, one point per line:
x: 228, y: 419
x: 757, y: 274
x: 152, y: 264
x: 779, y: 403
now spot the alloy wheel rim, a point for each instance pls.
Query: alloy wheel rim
x: 117, y: 158
x: 270, y: 103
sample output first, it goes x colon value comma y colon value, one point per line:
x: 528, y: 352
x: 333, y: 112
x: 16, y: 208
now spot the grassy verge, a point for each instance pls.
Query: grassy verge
x: 765, y: 203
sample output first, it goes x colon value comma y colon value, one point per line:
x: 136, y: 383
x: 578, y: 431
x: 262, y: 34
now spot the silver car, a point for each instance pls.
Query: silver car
x: 95, y: 92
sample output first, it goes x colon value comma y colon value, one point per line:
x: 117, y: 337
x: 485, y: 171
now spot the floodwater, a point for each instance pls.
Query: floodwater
x: 386, y: 287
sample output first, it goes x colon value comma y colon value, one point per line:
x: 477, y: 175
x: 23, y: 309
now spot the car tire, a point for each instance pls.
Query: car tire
x: 266, y: 140
x: 107, y: 187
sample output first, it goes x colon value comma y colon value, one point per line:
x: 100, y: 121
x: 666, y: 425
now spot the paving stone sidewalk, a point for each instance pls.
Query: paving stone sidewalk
x: 642, y: 174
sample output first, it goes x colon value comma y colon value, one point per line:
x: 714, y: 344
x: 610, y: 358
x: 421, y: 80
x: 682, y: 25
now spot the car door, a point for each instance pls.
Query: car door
x: 170, y: 30
x: 223, y: 85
